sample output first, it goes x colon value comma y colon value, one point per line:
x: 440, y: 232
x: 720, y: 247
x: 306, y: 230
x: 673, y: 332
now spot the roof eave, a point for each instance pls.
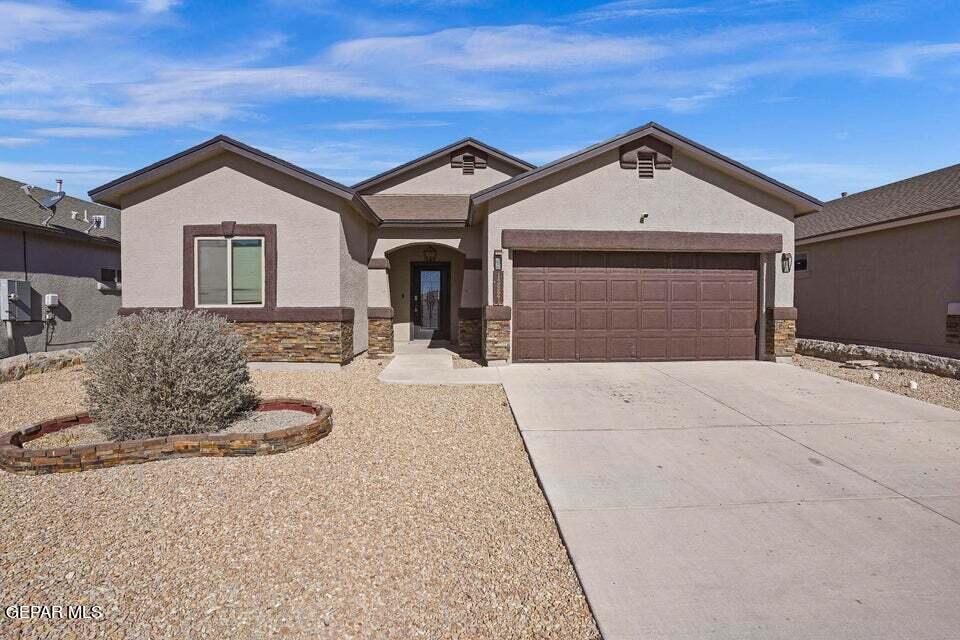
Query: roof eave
x: 802, y: 202
x: 433, y: 155
x: 110, y: 193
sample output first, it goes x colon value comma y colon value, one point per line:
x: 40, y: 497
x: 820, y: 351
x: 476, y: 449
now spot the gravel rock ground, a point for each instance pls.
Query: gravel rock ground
x: 418, y: 517
x: 932, y: 388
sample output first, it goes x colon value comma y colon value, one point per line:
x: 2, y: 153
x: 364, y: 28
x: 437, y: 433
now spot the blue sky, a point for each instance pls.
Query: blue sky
x: 825, y: 96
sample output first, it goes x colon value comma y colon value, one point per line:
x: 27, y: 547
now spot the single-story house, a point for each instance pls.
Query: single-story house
x: 647, y: 246
x: 882, y: 267
x: 71, y: 251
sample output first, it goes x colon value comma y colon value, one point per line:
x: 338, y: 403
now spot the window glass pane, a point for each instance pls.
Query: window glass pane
x: 212, y: 271
x: 247, y: 272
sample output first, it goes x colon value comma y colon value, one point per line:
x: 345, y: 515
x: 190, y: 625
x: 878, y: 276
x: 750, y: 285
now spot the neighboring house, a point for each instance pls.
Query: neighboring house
x: 645, y: 247
x: 60, y: 257
x: 882, y: 267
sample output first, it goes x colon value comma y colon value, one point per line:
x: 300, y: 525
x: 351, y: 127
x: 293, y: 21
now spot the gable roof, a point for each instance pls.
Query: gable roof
x: 802, y: 201
x: 19, y: 210
x: 503, y: 156
x: 109, y: 193
x: 430, y: 209
x: 927, y: 193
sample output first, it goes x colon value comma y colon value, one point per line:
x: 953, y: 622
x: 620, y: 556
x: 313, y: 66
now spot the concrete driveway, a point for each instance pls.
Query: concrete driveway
x: 747, y: 499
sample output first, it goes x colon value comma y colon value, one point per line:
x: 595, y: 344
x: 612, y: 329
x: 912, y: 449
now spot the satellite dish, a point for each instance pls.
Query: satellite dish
x: 48, y: 202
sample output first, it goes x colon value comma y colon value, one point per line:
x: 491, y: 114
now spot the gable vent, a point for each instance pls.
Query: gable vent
x: 645, y: 164
x: 469, y: 161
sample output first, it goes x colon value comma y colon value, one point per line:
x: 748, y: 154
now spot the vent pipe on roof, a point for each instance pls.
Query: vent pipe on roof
x: 59, y: 185
x: 843, y: 194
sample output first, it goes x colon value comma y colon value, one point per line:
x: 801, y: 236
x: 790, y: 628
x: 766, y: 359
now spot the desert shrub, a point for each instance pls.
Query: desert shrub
x: 163, y: 373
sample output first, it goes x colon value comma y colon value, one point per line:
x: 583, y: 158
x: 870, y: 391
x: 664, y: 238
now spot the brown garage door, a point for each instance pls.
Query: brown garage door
x: 590, y: 306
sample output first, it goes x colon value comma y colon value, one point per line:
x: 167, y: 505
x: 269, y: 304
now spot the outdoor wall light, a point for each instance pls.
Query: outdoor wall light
x: 497, y: 260
x: 429, y: 254
x: 786, y: 262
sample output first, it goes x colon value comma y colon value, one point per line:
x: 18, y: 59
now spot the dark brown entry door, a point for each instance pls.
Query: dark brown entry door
x: 591, y: 306
x: 430, y: 300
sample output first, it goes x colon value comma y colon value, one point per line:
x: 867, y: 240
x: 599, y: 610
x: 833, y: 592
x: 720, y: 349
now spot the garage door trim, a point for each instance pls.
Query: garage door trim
x: 665, y: 241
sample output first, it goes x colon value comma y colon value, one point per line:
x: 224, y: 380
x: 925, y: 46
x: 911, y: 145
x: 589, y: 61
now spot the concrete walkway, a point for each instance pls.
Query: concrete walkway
x: 737, y: 500
x: 421, y: 362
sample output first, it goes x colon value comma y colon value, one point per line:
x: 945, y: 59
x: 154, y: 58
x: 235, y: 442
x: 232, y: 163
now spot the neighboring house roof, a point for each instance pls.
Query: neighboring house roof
x: 430, y: 208
x: 110, y: 193
x: 802, y: 201
x: 19, y: 210
x: 503, y: 156
x: 924, y: 194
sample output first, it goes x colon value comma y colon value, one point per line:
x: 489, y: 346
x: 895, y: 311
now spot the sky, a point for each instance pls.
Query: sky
x: 824, y: 96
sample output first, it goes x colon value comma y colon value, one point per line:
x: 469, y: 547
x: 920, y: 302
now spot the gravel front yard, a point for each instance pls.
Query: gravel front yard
x: 931, y: 388
x: 418, y: 517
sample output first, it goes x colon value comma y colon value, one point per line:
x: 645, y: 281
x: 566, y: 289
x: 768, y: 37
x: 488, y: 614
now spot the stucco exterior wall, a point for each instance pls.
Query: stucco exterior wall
x: 599, y: 195
x: 439, y: 177
x: 67, y: 268
x: 466, y: 240
x: 887, y: 288
x: 310, y: 236
x: 354, y: 247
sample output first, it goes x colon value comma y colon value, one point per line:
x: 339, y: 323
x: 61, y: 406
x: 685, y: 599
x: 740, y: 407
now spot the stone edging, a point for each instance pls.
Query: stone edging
x: 15, y: 459
x: 16, y: 367
x: 841, y: 352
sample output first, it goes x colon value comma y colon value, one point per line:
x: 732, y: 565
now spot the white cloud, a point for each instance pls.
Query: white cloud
x: 381, y: 124
x: 156, y: 6
x: 12, y: 141
x: 24, y: 23
x: 345, y: 162
x: 82, y: 132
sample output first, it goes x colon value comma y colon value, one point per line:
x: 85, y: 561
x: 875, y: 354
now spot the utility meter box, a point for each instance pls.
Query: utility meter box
x: 15, y: 300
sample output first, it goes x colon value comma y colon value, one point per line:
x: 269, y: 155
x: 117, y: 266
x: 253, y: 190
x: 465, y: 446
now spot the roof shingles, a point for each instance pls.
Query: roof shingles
x: 17, y: 208
x: 420, y: 208
x: 927, y: 193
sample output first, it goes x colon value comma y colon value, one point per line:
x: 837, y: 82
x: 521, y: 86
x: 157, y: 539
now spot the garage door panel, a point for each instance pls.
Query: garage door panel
x: 624, y: 291
x: 683, y: 319
x: 654, y: 290
x: 654, y: 319
x: 743, y: 319
x: 634, y: 306
x: 530, y: 319
x: 562, y: 349
x: 684, y: 291
x: 713, y: 291
x: 624, y: 319
x: 743, y: 290
x: 682, y: 347
x: 713, y: 319
x: 593, y: 319
x: 529, y: 348
x: 530, y: 290
x: 593, y: 291
x: 562, y: 319
x: 622, y: 348
x: 562, y: 291
x: 713, y: 347
x: 654, y: 348
x: 592, y: 348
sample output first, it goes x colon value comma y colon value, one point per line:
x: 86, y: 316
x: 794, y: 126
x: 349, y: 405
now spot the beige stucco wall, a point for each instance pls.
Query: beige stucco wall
x: 439, y: 177
x: 887, y: 288
x: 354, y: 256
x: 599, y: 195
x: 312, y: 249
x: 466, y: 240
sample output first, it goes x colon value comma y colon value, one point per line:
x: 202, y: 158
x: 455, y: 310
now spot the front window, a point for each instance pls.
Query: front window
x: 229, y: 272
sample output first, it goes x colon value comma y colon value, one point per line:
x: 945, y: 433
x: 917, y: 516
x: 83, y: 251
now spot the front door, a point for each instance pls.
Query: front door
x: 430, y: 300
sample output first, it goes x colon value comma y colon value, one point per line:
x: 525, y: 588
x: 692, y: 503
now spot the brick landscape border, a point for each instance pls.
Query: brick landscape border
x: 15, y: 459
